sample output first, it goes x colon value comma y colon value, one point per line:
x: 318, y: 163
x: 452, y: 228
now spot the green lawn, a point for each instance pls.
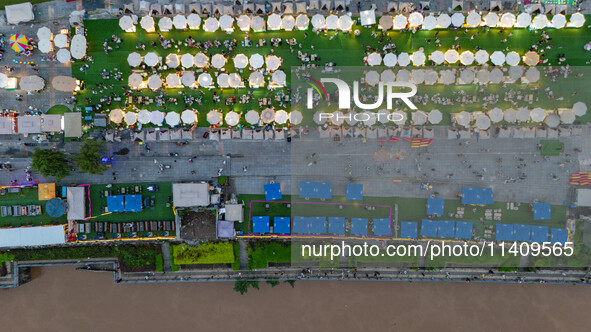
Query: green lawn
x: 206, y: 253
x: 160, y: 210
x: 569, y: 41
x: 262, y: 253
x: 27, y: 196
x: 58, y: 109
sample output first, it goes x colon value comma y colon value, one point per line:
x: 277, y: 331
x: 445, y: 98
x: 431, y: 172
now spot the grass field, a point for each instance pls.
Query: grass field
x: 551, y: 147
x: 160, y: 210
x: 569, y: 41
x: 27, y: 196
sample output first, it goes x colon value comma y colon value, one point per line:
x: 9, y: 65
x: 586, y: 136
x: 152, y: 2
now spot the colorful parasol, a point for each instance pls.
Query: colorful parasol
x: 18, y: 42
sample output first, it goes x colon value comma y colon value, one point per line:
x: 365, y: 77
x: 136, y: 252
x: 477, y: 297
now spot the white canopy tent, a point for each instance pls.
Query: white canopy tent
x: 508, y: 20
x: 482, y: 121
x: 179, y: 22
x: 223, y: 80
x: 523, y: 20
x: 279, y: 78
x: 538, y: 114
x: 386, y: 22
x: 214, y: 117
x: 165, y: 24
x: 172, y: 61
x: 205, y: 80
x: 134, y: 59
x: 400, y: 22
x: 399, y: 118
x: 540, y: 22
x: 256, y: 79
x: 147, y: 23
x: 240, y: 61
x: 130, y: 118
x: 419, y: 118
x: 272, y: 62
x: 243, y: 22
x: 173, y: 119
x: 390, y: 59
x: 63, y: 55
x: 211, y: 24
x: 252, y: 117
x: 403, y: 59
x: 193, y: 21
x: 288, y: 22
x: 345, y: 23
x: 387, y: 76
x: 458, y: 19
x: 318, y: 22
x: 491, y: 19
x: 151, y: 59
x: 437, y: 57
x: 531, y: 58
x: 45, y: 46
x: 44, y: 33
x: 444, y: 21
x: 467, y: 76
x: 200, y: 60
x: 232, y: 118
x: 558, y: 21
x: 268, y: 115
x: 567, y: 116
x: 189, y: 117
x: 580, y: 108
x: 496, y: 76
x: 257, y: 61
x: 577, y: 20
x: 435, y: 116
x: 497, y: 58
x: 481, y: 57
x: 60, y: 40
x: 257, y: 23
x: 512, y: 58
x: 374, y: 59
x: 281, y: 117
x: 522, y: 114
x: 144, y: 116
x: 532, y: 75
x: 418, y: 58
x: 226, y: 23
x: 235, y: 80
x: 154, y: 82
x: 188, y: 78
x: 332, y: 22
x: 510, y: 115
x: 134, y: 80
x: 372, y: 77
x: 429, y: 23
x: 415, y: 19
x: 156, y: 117
x: 32, y: 83
x: 218, y: 61
x: 173, y: 80
x: 496, y: 115
x: 274, y: 22
x: 431, y: 77
x: 483, y: 76
x: 403, y: 75
x: 473, y: 20
x: 116, y: 116
x: 451, y: 56
x: 467, y: 58
x: 552, y: 121
x: 463, y: 119
x: 302, y: 22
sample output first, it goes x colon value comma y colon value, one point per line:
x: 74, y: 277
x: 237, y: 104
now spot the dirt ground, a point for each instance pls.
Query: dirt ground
x: 202, y: 223
x: 62, y: 299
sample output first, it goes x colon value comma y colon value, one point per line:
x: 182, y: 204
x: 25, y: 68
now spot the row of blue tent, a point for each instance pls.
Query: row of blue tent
x: 530, y: 233
x: 318, y: 225
x: 124, y: 203
x: 437, y: 229
x: 435, y: 206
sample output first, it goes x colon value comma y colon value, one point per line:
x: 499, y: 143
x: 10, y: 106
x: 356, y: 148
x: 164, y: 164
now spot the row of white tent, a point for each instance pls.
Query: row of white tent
x: 253, y: 117
x: 205, y: 80
x: 47, y: 41
x: 226, y: 23
x: 452, y: 56
x: 474, y: 19
x: 155, y: 117
x: 480, y: 120
x: 345, y: 22
x: 200, y: 60
x: 460, y: 76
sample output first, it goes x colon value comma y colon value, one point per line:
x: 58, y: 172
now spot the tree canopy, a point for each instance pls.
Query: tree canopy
x: 51, y: 163
x: 88, y: 159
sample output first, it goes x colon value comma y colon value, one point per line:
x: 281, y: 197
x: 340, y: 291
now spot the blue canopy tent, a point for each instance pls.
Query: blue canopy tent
x: 505, y: 232
x: 273, y: 191
x: 408, y: 229
x: 382, y: 226
x: 359, y: 226
x: 309, y: 225
x: 282, y: 225
x: 115, y: 203
x: 435, y: 206
x: 477, y: 196
x: 445, y: 228
x: 522, y: 232
x: 539, y: 234
x: 354, y: 192
x: 260, y: 224
x: 336, y: 225
x: 55, y: 207
x: 542, y: 211
x: 464, y: 229
x: 320, y: 190
x: 133, y: 203
x: 558, y: 235
x: 428, y: 228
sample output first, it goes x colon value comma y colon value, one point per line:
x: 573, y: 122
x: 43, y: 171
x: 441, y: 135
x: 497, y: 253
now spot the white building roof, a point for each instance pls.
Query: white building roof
x: 76, y: 197
x: 32, y: 236
x: 190, y: 194
x: 19, y: 13
x: 583, y: 197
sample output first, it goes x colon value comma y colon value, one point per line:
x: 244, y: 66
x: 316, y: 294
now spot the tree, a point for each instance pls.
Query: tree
x: 88, y: 159
x: 241, y: 286
x: 273, y: 282
x: 50, y: 163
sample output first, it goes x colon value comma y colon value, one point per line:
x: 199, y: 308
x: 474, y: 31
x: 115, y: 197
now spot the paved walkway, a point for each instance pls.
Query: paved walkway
x: 166, y: 256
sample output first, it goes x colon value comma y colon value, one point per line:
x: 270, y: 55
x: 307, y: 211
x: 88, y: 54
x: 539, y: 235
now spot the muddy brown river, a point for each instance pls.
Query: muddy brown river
x: 63, y: 299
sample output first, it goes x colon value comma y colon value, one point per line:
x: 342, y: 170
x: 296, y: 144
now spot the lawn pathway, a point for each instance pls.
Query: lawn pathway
x: 243, y: 254
x: 166, y: 257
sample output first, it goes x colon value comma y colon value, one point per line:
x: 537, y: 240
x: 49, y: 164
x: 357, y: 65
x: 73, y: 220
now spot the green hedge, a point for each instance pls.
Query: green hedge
x: 206, y: 253
x: 159, y: 263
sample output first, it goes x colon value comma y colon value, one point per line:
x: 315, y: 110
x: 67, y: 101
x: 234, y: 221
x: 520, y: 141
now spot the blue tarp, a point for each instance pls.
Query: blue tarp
x: 115, y: 203
x: 428, y: 228
x: 382, y: 226
x: 505, y: 232
x: 315, y: 190
x: 559, y: 235
x: 260, y: 224
x: 477, y: 196
x: 435, y: 206
x: 55, y: 207
x: 309, y: 225
x: 542, y: 211
x: 359, y: 226
x: 539, y: 234
x: 464, y: 229
x: 133, y: 203
x: 281, y: 225
x: 522, y: 232
x: 408, y: 229
x: 273, y: 191
x: 354, y: 192
x: 336, y: 225
x: 445, y: 228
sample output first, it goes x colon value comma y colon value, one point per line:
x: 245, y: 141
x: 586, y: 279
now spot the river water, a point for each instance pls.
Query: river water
x: 63, y: 299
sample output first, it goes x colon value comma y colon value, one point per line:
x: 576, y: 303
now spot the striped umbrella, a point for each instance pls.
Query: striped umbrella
x: 18, y: 42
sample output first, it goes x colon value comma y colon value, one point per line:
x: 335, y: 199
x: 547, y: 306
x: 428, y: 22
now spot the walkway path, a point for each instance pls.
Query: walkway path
x: 166, y: 257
